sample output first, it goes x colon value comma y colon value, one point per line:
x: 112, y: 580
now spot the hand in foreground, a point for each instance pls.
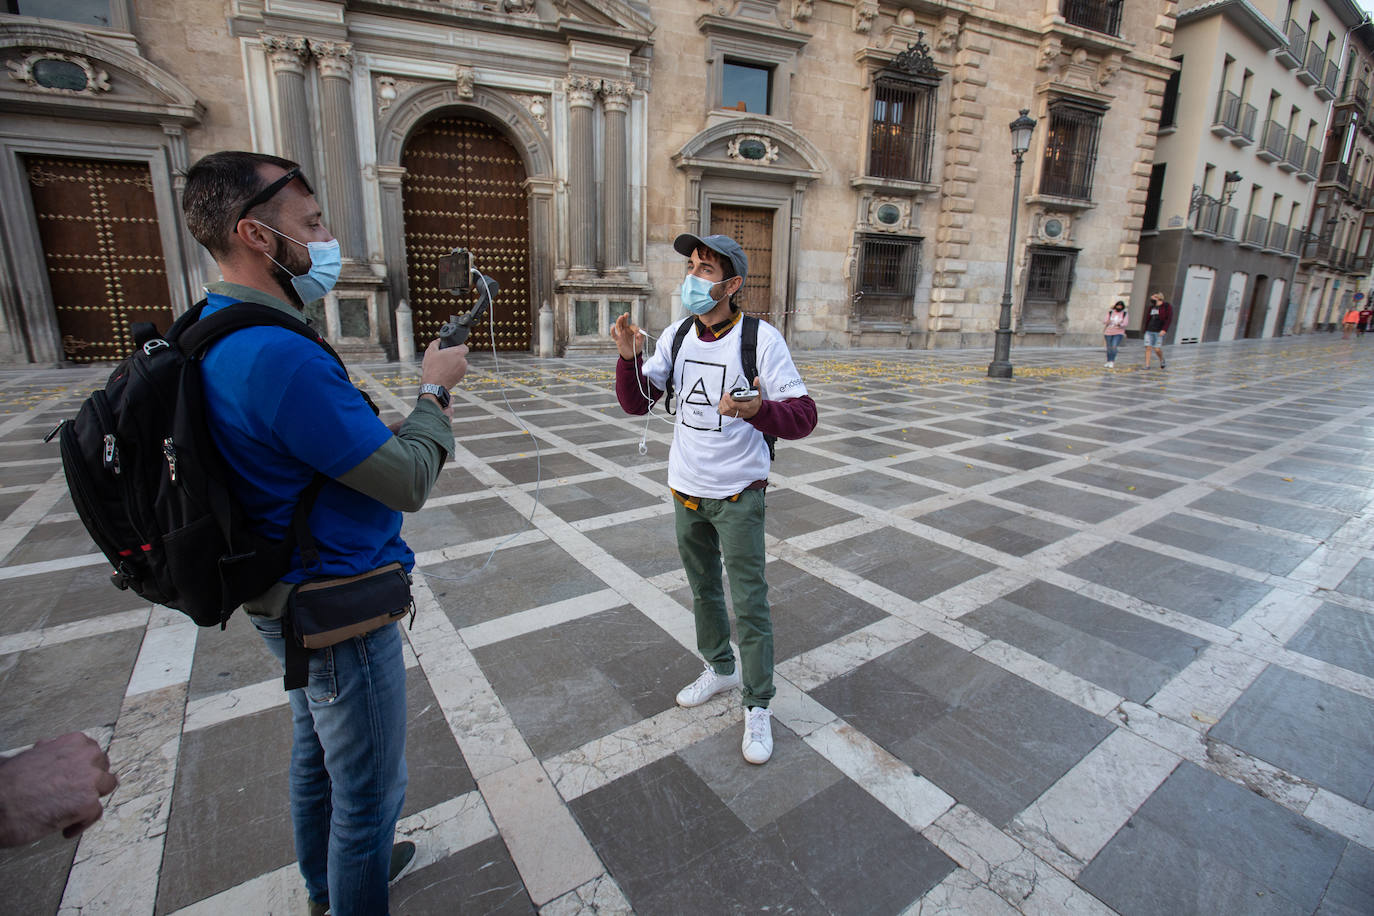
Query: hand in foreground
x: 55, y: 785
x: 626, y: 336
x: 444, y: 367
x: 729, y: 407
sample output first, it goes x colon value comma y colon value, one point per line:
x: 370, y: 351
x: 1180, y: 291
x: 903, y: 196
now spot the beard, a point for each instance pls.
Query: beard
x: 287, y: 255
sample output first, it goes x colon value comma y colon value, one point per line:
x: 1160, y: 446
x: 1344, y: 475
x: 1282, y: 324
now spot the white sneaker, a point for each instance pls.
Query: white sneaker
x: 1111, y: 365
x: 758, y: 735
x: 707, y: 686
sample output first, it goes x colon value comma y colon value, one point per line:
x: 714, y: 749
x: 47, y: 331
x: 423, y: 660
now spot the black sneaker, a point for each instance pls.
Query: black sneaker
x: 402, y: 857
x: 1161, y: 364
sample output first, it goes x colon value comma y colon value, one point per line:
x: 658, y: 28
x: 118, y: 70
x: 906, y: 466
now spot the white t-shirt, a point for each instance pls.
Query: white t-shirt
x: 712, y: 455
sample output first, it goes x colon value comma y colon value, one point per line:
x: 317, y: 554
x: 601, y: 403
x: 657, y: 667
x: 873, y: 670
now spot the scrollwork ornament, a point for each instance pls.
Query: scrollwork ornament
x: 28, y: 70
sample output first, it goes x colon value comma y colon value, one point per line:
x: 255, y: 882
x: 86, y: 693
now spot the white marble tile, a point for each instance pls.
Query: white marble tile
x: 232, y: 704
x: 598, y: 897
x: 1342, y: 815
x: 1200, y: 694
x: 446, y: 828
x: 539, y: 618
x: 960, y: 893
x: 840, y: 656
x: 1277, y: 617
x: 274, y: 893
x: 1070, y: 823
x: 1173, y: 736
x: 915, y: 799
x: 606, y: 759
x: 548, y: 848
x: 48, y: 566
x: 1056, y: 680
x: 164, y: 658
x: 796, y: 709
x: 1264, y: 779
x: 78, y: 629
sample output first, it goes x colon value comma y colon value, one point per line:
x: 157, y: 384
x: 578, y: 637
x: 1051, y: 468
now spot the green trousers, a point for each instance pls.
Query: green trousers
x: 735, y: 530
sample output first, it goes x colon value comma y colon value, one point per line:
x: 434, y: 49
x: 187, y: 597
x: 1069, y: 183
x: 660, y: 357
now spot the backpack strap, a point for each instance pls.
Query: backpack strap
x: 678, y: 338
x: 749, y: 359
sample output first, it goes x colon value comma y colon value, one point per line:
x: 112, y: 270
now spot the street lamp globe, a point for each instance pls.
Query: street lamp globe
x: 1021, y: 130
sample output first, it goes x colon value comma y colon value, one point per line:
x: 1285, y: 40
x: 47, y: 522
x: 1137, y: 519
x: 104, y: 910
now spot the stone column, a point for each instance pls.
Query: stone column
x: 616, y: 99
x: 342, y: 178
x: 287, y: 59
x: 582, y: 175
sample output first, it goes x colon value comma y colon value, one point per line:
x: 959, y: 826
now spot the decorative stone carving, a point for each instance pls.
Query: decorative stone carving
x: 64, y: 74
x: 537, y: 106
x: 1048, y: 57
x: 889, y: 214
x: 948, y: 39
x: 581, y: 91
x: 335, y: 58
x: 517, y: 6
x: 1107, y: 69
x: 286, y: 54
x: 466, y: 78
x: 752, y: 148
x: 801, y: 10
x: 616, y: 96
x: 385, y: 92
x: 865, y: 11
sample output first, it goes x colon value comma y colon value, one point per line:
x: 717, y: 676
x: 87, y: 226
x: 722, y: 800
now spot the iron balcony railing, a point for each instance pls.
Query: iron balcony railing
x: 1296, y: 237
x: 1228, y: 111
x: 1208, y: 216
x: 1229, y: 217
x: 1333, y: 76
x: 1278, y: 236
x: 1297, y: 41
x: 1315, y: 62
x: 1338, y: 172
x: 1258, y: 230
x: 1096, y: 15
x: 1249, y: 115
x: 1275, y: 141
x: 1359, y: 264
x: 1314, y: 161
x: 1297, y: 151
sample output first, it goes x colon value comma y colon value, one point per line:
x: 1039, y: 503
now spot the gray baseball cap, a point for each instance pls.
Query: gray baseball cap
x: 722, y: 245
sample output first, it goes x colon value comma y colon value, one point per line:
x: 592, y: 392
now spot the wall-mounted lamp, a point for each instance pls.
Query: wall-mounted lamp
x: 1228, y: 190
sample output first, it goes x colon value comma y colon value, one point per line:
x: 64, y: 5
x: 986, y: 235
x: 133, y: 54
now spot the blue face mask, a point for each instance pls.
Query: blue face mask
x: 696, y: 295
x: 325, y: 263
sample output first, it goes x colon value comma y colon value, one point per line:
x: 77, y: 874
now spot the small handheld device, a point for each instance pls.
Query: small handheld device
x: 744, y: 394
x: 457, y: 276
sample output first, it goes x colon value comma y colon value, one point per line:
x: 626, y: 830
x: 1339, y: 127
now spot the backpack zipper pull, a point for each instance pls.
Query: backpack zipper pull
x: 55, y: 430
x: 110, y: 455
x: 170, y: 452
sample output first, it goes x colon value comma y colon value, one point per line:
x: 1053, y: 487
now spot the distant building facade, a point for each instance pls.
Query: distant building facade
x: 859, y: 150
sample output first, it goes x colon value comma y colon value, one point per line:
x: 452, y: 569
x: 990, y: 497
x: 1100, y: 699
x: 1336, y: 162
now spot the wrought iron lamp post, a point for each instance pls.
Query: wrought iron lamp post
x: 1000, y: 367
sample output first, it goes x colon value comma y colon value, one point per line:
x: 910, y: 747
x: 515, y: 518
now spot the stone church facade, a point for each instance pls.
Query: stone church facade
x: 859, y: 150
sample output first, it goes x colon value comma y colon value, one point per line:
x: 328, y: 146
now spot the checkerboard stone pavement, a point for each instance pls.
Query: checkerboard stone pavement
x: 1079, y: 642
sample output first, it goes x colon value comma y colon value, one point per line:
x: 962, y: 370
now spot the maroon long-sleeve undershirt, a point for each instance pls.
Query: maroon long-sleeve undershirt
x: 792, y: 418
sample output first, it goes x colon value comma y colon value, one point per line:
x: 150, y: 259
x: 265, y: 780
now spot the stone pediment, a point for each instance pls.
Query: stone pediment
x: 753, y: 147
x: 618, y: 15
x: 63, y: 71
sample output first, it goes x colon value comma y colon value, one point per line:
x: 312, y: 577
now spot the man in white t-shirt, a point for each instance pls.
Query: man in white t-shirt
x: 718, y: 465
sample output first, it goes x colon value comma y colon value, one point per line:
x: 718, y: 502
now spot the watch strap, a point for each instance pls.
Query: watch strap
x: 439, y: 391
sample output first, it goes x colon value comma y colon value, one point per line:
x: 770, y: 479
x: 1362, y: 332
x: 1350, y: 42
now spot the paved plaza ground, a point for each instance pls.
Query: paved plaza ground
x: 1085, y: 641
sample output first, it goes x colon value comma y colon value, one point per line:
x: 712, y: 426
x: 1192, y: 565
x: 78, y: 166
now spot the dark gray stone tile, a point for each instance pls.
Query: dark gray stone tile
x: 1320, y: 523
x: 65, y: 687
x: 516, y: 579
x: 63, y: 596
x: 922, y: 436
x: 546, y: 466
x: 1167, y: 464
x: 1359, y: 582
x: 1203, y: 845
x: 1066, y: 501
x: 1124, y: 653
x: 51, y: 541
x: 650, y: 825
x: 1007, y: 455
x: 231, y: 817
x: 465, y: 428
x: 590, y: 498
x: 229, y: 659
x: 972, y: 426
x: 1103, y: 431
x: 649, y: 547
x: 454, y: 480
x: 1053, y: 442
x: 879, y: 490
x: 36, y: 874
x: 792, y: 461
x: 1311, y: 729
x: 850, y: 419
x: 1196, y: 448
x: 1244, y: 547
x: 443, y: 526
x: 908, y: 565
x: 479, y: 879
x: 996, y: 527
x: 809, y: 612
x: 859, y: 448
x: 1197, y: 591
x: 435, y: 768
x: 1323, y: 471
x: 1349, y: 500
x: 950, y: 471
x: 1120, y: 480
x: 1351, y: 891
x: 790, y: 513
x: 516, y: 443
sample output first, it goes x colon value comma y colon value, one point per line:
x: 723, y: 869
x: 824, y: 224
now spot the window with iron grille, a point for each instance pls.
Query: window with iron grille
x: 1050, y: 275
x: 1099, y: 15
x: 902, y: 130
x: 888, y: 269
x: 1071, y: 150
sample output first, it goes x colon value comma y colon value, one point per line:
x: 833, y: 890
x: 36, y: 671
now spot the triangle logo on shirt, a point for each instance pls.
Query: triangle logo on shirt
x: 698, y: 394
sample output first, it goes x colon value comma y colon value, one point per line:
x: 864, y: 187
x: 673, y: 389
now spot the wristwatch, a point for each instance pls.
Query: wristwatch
x: 439, y: 392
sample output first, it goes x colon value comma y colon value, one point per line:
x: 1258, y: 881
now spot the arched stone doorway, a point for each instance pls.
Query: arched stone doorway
x: 464, y: 186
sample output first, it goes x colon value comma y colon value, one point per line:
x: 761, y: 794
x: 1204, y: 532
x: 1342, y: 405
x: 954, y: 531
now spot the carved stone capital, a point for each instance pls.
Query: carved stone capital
x: 581, y: 91
x: 1048, y: 58
x: 947, y: 39
x: 335, y: 58
x: 1107, y: 69
x: 616, y: 96
x: 285, y: 53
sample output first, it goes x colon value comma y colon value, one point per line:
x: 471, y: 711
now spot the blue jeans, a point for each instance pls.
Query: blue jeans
x: 1113, y: 344
x: 733, y: 529
x: 348, y: 766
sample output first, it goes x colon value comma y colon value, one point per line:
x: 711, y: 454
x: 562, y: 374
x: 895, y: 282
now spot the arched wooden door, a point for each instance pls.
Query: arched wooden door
x: 464, y: 188
x: 97, y: 222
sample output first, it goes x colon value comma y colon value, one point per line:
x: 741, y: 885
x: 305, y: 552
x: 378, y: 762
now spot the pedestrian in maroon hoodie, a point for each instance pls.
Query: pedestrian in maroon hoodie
x: 1157, y: 318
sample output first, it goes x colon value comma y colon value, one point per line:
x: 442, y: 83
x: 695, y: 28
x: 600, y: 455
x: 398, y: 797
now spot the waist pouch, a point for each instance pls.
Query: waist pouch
x: 325, y: 612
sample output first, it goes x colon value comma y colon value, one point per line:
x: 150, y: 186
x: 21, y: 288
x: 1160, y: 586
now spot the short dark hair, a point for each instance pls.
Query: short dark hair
x: 217, y: 187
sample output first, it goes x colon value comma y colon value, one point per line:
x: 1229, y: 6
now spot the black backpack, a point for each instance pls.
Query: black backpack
x: 152, y: 488
x: 748, y: 357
